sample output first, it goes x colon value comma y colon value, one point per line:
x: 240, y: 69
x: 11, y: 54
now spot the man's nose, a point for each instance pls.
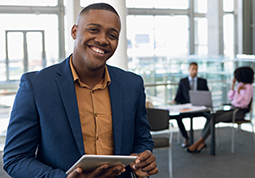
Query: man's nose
x: 102, y: 39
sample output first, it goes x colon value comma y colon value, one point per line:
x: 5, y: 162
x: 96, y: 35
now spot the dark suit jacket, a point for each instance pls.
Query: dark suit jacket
x: 182, y: 95
x: 44, y: 137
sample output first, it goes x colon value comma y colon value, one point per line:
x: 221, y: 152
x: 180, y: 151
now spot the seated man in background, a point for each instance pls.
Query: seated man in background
x: 192, y: 82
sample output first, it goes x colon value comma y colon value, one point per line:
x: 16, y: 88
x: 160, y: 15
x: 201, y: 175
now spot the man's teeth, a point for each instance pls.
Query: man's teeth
x: 98, y: 50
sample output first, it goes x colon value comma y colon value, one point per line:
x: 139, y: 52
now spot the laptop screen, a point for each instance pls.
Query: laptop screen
x: 200, y: 98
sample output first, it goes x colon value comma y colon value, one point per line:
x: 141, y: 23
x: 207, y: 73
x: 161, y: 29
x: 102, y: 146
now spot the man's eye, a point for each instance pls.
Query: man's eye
x: 93, y: 30
x: 113, y: 36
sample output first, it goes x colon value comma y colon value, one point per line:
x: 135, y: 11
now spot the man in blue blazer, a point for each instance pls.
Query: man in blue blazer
x: 45, y: 135
x: 192, y: 82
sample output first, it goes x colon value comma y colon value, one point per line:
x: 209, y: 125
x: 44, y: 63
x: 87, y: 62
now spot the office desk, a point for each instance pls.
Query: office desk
x: 186, y: 110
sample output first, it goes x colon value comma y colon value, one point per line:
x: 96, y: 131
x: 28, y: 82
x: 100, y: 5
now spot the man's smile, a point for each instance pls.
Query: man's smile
x: 98, y: 50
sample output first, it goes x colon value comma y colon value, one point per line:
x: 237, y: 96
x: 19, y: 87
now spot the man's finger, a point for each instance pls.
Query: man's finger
x: 154, y: 171
x: 75, y: 173
x: 145, y: 158
x: 110, y: 172
x: 149, y: 167
x: 145, y: 154
x: 136, y: 161
x: 100, y: 170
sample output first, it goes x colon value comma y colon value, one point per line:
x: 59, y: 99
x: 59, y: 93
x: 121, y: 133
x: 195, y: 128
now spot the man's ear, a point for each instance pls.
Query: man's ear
x: 74, y: 31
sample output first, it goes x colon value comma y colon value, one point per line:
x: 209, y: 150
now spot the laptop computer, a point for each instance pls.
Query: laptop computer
x: 200, y: 98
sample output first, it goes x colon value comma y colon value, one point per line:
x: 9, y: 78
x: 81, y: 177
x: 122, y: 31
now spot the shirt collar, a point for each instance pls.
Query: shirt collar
x: 190, y: 78
x: 104, y: 83
x: 75, y: 76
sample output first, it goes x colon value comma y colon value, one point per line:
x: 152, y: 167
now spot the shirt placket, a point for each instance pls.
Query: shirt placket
x: 95, y: 120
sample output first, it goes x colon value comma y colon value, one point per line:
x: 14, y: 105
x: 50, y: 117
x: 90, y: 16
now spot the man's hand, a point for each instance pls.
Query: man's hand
x: 145, y: 165
x: 101, y: 172
x: 172, y: 102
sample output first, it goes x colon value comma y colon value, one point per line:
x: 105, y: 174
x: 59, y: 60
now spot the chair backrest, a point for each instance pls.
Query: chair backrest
x: 250, y: 109
x: 158, y: 119
x: 247, y: 111
x: 250, y: 104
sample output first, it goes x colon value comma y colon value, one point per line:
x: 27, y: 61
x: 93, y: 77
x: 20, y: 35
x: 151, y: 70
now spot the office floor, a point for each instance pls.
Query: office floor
x: 223, y: 165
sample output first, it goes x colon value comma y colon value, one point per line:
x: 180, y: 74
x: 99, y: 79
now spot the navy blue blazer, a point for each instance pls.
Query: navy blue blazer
x: 182, y: 95
x: 44, y: 137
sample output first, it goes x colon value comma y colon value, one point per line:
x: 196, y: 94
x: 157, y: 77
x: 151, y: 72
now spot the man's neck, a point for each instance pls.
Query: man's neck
x: 192, y: 77
x: 88, y: 76
x: 91, y: 78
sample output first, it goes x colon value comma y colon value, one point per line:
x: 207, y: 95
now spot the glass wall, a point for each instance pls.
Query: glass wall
x: 161, y: 80
x: 180, y: 4
x: 29, y: 2
x: 228, y: 31
x: 159, y: 38
x: 200, y: 6
x: 22, y: 40
x: 201, y: 34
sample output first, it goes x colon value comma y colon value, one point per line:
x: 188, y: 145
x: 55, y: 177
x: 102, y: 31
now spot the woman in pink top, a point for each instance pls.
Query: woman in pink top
x: 240, y: 97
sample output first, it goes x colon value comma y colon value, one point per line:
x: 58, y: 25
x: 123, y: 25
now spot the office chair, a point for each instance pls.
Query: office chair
x: 160, y: 131
x: 249, y: 120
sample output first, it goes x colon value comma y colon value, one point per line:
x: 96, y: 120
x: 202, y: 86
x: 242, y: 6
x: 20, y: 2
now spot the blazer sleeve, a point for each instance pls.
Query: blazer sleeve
x: 23, y: 137
x: 206, y: 86
x: 202, y: 84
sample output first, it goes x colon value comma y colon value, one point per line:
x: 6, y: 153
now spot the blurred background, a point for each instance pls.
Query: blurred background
x: 159, y: 39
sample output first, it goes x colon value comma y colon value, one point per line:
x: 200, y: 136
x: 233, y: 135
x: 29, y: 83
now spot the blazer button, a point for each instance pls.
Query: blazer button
x: 97, y: 137
x: 95, y: 114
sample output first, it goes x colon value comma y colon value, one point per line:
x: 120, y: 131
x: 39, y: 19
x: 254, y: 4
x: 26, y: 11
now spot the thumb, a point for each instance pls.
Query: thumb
x: 134, y: 162
x: 75, y: 173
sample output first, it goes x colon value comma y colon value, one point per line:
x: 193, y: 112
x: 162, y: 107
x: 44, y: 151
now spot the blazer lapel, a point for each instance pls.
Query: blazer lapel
x: 115, y: 91
x: 187, y: 83
x: 66, y: 87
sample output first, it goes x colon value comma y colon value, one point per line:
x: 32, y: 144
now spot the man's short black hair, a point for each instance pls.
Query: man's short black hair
x: 193, y: 63
x: 99, y: 6
x: 244, y: 74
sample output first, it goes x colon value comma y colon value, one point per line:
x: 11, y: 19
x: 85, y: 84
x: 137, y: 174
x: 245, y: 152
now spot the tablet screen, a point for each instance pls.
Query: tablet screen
x: 90, y: 162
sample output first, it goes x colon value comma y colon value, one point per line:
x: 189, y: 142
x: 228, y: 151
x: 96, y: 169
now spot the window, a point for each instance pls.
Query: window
x: 201, y: 36
x: 200, y: 6
x: 26, y: 22
x: 173, y: 4
x: 228, y: 5
x: 228, y: 37
x: 29, y: 2
x: 158, y: 38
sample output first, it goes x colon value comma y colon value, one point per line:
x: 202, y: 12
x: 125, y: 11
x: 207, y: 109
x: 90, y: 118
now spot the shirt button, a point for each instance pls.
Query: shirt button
x: 97, y: 137
x: 92, y: 91
x: 95, y: 114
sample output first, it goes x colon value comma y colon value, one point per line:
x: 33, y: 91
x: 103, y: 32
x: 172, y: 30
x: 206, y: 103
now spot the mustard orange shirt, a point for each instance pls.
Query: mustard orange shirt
x: 95, y: 114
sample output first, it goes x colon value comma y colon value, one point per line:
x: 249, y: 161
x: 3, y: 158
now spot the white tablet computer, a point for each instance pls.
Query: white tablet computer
x: 91, y: 162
